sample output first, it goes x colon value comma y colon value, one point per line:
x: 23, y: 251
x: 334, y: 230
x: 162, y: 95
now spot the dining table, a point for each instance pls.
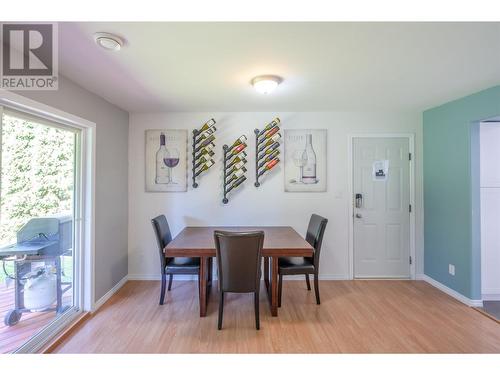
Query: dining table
x: 279, y: 241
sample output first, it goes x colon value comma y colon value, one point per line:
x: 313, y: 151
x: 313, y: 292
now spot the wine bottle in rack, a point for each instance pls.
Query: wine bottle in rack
x: 206, y: 151
x: 237, y: 159
x: 207, y: 134
x: 208, y: 125
x: 205, y: 167
x: 241, y: 140
x: 201, y: 161
x: 269, y: 150
x: 236, y: 175
x: 269, y: 126
x: 268, y: 166
x: 270, y: 141
x: 267, y: 143
x: 203, y: 145
x: 269, y: 134
x: 236, y: 167
x: 236, y: 183
x: 269, y: 158
x: 235, y: 151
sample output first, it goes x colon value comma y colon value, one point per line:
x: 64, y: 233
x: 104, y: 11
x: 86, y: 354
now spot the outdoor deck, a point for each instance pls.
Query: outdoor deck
x: 13, y: 337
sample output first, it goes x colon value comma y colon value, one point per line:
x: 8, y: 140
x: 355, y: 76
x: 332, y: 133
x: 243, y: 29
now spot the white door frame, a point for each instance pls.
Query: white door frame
x: 350, y: 149
x: 85, y: 217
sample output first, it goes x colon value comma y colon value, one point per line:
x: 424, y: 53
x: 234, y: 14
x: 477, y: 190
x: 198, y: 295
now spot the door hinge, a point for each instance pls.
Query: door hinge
x: 409, y: 207
x: 410, y: 260
x: 409, y: 156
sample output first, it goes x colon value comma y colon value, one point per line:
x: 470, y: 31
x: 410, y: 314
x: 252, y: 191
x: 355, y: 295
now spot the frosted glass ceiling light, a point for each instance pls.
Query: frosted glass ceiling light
x: 266, y: 84
x: 108, y: 41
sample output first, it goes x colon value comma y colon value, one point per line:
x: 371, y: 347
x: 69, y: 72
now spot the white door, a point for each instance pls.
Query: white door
x: 381, y: 182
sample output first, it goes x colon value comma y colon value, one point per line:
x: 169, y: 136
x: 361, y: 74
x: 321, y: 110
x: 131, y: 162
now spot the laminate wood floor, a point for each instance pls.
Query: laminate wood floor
x: 354, y: 317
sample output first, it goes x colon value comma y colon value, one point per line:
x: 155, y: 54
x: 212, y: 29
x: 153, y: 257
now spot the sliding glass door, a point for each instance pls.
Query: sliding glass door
x: 39, y: 252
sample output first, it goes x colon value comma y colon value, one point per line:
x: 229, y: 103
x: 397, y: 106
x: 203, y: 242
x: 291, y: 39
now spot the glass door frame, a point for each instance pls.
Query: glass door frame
x: 83, y: 212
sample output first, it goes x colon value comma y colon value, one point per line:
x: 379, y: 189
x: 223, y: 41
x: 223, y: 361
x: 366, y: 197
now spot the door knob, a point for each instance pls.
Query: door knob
x: 358, y: 216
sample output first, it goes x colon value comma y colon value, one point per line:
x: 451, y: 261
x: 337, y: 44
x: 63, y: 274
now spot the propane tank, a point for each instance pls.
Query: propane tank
x: 40, y: 291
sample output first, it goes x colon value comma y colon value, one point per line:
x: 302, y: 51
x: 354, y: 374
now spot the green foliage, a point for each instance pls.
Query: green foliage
x: 37, y: 174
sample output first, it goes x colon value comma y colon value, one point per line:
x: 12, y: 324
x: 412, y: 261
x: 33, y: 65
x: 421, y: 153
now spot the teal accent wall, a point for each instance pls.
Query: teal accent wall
x: 451, y: 190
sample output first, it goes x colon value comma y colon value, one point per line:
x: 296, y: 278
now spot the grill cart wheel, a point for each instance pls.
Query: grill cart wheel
x: 12, y: 318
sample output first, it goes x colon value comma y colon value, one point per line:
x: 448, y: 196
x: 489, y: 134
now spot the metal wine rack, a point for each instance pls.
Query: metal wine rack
x: 234, y: 160
x: 203, y: 149
x: 267, y: 148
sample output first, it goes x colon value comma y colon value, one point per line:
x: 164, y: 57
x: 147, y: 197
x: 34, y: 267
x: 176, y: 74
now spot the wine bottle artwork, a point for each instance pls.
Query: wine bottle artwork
x: 203, y: 145
x: 166, y: 160
x: 234, y: 166
x: 267, y: 143
x: 305, y: 159
x: 309, y: 169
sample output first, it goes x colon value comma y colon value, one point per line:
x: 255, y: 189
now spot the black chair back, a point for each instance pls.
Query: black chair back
x: 163, y: 237
x: 239, y: 257
x: 314, y: 236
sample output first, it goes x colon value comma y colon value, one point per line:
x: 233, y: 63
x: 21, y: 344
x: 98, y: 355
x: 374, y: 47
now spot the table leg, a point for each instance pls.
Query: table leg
x: 266, y: 273
x: 274, y: 287
x: 203, y: 286
x: 210, y: 271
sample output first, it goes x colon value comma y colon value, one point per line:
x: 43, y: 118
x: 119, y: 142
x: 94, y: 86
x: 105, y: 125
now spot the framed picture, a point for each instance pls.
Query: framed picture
x: 305, y: 160
x: 166, y: 160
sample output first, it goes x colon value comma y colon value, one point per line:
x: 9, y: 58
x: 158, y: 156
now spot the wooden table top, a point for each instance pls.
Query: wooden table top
x: 199, y: 241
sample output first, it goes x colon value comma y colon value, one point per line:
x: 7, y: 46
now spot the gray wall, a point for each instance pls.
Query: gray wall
x: 111, y: 199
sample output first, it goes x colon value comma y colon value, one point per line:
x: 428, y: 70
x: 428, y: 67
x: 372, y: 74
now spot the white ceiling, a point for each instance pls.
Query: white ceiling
x: 325, y: 66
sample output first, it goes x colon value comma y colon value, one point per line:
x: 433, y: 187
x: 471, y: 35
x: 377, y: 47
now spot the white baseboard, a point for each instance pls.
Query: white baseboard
x: 108, y: 295
x: 451, y: 292
x: 491, y: 297
x: 321, y: 277
x: 155, y: 277
x: 191, y: 277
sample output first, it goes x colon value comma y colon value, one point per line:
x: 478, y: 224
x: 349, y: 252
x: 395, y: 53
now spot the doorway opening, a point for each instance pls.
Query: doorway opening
x: 47, y: 185
x: 489, y: 187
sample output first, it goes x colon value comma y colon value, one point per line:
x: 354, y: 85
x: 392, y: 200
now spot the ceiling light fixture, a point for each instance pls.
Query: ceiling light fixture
x: 108, y: 41
x: 266, y: 84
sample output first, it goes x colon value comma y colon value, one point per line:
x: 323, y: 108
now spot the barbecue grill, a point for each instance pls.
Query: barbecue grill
x: 40, y: 240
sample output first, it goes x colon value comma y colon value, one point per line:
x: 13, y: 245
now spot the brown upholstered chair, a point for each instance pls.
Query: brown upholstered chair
x: 305, y: 265
x: 171, y: 266
x: 239, y: 256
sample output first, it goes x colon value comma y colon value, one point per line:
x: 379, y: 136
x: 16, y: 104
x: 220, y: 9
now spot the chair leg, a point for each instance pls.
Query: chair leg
x: 162, y: 292
x: 280, y: 288
x: 257, y: 316
x: 170, y: 278
x: 307, y: 282
x: 316, y: 288
x: 221, y: 309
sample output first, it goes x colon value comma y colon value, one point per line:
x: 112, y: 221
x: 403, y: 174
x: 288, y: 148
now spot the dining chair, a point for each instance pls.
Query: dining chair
x: 305, y: 265
x: 239, y: 256
x: 171, y: 266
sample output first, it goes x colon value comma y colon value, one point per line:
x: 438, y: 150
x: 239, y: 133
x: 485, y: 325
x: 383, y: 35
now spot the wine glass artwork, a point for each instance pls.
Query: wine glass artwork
x: 299, y: 157
x: 171, y: 160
